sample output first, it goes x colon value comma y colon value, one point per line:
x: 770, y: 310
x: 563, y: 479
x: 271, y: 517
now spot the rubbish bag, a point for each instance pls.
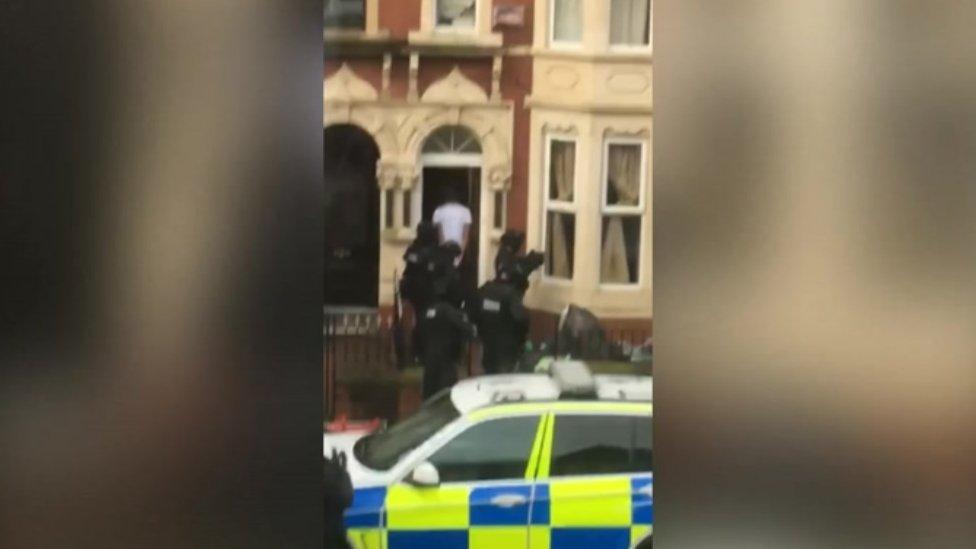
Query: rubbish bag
x: 581, y: 337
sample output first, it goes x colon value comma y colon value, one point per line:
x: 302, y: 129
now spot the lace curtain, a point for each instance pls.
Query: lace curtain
x: 623, y: 184
x: 630, y: 22
x: 562, y: 173
x: 567, y: 21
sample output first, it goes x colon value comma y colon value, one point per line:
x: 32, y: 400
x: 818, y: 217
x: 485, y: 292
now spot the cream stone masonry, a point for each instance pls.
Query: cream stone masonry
x: 594, y: 92
x: 400, y: 129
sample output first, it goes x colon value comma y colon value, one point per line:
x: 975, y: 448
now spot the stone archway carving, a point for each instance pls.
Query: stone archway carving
x: 350, y: 99
x: 400, y: 126
x: 400, y: 129
x: 454, y: 89
x: 491, y: 128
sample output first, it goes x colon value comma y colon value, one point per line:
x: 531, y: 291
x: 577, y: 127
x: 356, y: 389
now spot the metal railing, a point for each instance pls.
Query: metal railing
x: 360, y: 348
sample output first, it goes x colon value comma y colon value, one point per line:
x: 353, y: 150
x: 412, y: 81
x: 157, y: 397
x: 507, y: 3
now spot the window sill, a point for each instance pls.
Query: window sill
x: 620, y: 287
x: 354, y: 36
x: 613, y: 55
x: 555, y: 282
x: 450, y: 39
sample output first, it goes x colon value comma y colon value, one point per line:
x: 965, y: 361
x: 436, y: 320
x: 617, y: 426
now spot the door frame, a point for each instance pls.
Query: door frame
x: 462, y: 160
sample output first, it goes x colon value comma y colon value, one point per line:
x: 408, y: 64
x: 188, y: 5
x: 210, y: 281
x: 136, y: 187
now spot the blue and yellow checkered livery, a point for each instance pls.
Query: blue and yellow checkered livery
x: 596, y: 511
x: 605, y: 512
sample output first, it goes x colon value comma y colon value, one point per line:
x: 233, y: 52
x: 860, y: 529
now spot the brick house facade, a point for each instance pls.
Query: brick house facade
x: 539, y: 109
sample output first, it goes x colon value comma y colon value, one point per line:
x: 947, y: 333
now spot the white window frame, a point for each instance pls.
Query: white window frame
x: 473, y: 29
x: 563, y: 44
x: 560, y: 206
x: 632, y: 48
x: 624, y: 211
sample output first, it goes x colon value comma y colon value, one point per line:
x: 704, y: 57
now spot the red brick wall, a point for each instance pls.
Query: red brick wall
x: 399, y: 77
x: 517, y: 36
x: 516, y: 84
x: 399, y: 17
x: 402, y: 16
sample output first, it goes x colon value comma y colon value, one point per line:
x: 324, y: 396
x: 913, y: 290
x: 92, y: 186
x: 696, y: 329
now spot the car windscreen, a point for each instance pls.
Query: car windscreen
x: 382, y: 450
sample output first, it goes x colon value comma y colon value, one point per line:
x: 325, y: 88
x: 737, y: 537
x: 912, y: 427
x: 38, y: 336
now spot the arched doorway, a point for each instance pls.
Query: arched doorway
x: 351, y: 217
x: 451, y: 158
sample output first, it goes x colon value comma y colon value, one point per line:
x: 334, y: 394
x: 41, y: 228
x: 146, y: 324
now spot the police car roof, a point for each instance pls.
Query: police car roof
x: 478, y: 392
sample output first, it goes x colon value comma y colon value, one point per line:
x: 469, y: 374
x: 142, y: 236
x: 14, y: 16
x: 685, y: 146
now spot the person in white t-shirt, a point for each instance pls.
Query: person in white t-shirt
x: 453, y: 222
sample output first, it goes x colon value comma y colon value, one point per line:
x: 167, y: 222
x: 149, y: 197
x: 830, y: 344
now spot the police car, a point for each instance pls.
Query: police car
x: 558, y: 460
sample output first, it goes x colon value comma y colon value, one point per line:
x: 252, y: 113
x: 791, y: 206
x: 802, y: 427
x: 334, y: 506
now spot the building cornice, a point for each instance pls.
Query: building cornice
x: 593, y: 108
x: 607, y: 56
x: 505, y: 104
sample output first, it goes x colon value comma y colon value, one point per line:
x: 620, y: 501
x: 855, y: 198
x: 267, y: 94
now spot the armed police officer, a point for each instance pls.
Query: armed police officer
x: 508, y: 251
x: 443, y: 327
x: 503, y: 322
x: 416, y: 285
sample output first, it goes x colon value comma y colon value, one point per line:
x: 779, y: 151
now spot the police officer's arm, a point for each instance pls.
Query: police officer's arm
x: 472, y: 306
x: 519, y: 315
x: 459, y: 320
x: 517, y: 310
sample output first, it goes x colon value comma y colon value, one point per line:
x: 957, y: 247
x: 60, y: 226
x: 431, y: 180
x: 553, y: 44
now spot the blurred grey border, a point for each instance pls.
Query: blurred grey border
x: 815, y: 206
x: 161, y: 195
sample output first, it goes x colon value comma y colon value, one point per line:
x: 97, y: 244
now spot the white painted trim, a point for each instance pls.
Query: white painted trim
x: 551, y: 34
x: 617, y: 287
x: 469, y: 161
x: 451, y: 160
x: 623, y: 211
x: 559, y: 205
x: 486, y: 223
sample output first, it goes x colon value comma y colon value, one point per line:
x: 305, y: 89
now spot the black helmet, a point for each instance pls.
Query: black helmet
x: 426, y: 233
x: 513, y: 240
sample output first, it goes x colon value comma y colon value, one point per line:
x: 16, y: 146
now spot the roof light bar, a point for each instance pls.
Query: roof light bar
x: 573, y: 378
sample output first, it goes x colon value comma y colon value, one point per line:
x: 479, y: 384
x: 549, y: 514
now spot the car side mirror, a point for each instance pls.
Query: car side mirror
x: 425, y: 475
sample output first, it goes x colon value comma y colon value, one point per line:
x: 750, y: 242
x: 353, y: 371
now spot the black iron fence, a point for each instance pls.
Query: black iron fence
x: 367, y: 347
x: 356, y: 346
